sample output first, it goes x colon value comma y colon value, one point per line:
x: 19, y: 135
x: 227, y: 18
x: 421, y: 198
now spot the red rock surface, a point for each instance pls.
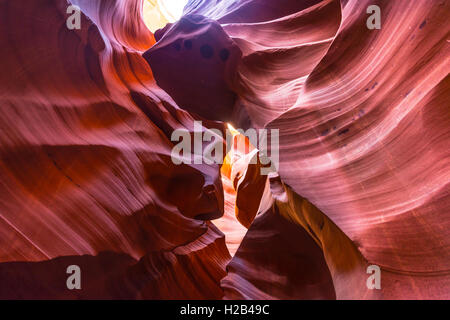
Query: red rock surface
x: 195, y: 63
x: 86, y: 176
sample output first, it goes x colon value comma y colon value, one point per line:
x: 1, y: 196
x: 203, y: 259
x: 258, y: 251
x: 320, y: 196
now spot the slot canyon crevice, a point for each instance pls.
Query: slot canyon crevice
x: 87, y: 179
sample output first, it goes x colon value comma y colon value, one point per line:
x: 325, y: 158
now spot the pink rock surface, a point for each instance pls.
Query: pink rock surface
x: 86, y: 176
x: 85, y: 164
x: 363, y: 116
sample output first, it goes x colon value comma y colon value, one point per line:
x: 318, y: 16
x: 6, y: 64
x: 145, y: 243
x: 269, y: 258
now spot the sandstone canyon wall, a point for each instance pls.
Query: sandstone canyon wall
x: 87, y: 179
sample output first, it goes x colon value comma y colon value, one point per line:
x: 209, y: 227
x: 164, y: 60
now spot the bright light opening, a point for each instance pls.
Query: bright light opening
x: 157, y: 13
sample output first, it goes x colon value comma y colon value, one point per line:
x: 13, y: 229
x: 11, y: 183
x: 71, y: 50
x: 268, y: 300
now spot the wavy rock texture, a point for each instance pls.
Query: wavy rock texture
x: 363, y: 116
x: 86, y: 176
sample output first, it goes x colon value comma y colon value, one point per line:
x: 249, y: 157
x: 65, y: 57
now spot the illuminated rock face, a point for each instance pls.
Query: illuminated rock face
x: 195, y: 62
x: 86, y: 176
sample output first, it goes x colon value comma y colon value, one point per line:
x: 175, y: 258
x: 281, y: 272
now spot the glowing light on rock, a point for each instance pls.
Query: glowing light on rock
x: 157, y: 13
